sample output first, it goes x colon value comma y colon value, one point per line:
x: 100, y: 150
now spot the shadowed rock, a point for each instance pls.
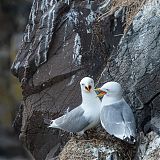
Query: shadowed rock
x: 64, y: 42
x: 10, y: 147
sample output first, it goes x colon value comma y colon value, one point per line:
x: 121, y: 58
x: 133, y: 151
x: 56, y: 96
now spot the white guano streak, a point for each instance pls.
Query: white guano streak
x: 77, y: 47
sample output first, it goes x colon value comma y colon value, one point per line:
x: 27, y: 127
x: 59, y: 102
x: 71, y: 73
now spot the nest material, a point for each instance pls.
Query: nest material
x: 98, y: 145
x: 132, y: 8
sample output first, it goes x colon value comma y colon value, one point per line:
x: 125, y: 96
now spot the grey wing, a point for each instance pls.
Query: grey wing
x: 73, y: 121
x: 129, y: 119
x: 118, y: 120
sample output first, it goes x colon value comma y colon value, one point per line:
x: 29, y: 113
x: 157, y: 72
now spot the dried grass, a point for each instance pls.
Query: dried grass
x: 132, y: 8
x: 82, y: 149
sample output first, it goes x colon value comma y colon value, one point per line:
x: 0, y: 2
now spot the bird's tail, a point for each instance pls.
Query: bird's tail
x: 47, y: 122
x: 129, y: 134
x: 130, y: 140
x: 50, y: 123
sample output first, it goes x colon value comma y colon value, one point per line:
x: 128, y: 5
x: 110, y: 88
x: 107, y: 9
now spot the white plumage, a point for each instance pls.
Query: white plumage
x: 86, y: 115
x: 116, y: 115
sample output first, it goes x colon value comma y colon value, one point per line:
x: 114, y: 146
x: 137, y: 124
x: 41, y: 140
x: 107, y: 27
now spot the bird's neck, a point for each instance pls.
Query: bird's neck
x: 107, y: 100
x: 89, y: 99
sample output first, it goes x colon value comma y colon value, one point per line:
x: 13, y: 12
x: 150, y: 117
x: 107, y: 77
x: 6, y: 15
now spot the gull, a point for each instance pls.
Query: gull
x: 84, y: 116
x: 116, y: 115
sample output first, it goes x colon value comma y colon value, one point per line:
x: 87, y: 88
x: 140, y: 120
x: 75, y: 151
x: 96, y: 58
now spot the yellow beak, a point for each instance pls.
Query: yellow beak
x: 101, y: 94
x: 97, y: 89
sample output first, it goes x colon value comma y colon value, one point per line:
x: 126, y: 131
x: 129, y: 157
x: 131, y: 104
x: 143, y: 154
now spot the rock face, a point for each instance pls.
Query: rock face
x: 149, y: 147
x: 136, y: 65
x: 65, y: 41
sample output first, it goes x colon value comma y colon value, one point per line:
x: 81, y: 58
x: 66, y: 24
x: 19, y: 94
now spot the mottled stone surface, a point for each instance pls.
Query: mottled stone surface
x: 136, y: 64
x: 149, y: 147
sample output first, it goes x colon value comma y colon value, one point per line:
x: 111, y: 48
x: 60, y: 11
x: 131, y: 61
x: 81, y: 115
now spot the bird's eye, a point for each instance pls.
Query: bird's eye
x: 82, y: 84
x: 107, y: 90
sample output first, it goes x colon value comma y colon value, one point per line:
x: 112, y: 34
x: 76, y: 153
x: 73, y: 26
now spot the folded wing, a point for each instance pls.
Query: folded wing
x: 73, y: 121
x: 118, y: 120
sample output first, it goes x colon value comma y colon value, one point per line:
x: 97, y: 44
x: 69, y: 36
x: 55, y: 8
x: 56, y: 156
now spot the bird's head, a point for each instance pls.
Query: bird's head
x: 113, y: 89
x: 87, y: 85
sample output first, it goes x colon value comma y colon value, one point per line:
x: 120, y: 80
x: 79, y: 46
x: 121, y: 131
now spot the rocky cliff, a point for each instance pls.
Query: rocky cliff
x: 107, y: 40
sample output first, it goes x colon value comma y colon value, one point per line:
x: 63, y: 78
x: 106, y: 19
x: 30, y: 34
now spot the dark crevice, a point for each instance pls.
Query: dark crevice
x: 156, y: 95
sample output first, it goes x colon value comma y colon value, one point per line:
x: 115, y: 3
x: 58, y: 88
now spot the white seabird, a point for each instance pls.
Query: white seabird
x: 116, y: 115
x: 83, y: 117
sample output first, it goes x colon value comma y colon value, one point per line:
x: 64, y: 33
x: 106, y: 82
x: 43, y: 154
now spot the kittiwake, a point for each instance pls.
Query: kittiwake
x: 116, y: 115
x: 84, y: 116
